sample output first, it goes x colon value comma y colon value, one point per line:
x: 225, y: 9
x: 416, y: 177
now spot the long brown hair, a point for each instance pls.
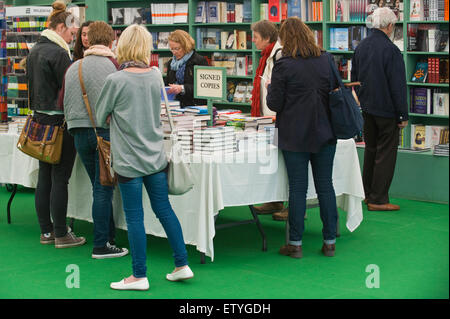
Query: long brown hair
x: 78, y: 49
x: 298, y: 39
x: 59, y: 15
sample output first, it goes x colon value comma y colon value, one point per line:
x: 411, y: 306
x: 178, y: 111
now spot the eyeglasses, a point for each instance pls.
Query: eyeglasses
x: 175, y: 49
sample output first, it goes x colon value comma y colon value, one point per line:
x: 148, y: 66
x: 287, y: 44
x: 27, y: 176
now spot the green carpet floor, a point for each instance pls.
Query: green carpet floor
x: 410, y: 248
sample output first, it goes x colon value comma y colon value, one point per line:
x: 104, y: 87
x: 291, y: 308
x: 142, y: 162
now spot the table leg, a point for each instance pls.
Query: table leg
x: 258, y: 224
x: 8, y: 209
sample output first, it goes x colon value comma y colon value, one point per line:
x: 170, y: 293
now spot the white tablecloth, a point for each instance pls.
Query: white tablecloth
x: 251, y: 176
x: 15, y: 166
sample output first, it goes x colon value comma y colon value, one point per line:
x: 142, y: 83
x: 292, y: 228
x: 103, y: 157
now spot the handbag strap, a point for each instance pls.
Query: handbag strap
x: 166, y: 100
x: 85, y: 97
x: 334, y: 73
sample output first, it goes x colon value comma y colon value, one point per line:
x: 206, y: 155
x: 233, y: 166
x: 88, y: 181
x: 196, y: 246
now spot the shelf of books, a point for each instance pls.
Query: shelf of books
x: 222, y: 31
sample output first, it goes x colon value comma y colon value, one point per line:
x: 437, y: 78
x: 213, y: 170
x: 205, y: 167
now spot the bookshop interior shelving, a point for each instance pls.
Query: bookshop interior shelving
x: 101, y: 10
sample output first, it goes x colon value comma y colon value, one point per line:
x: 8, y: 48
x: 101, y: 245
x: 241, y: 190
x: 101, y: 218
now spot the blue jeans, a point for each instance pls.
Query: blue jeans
x: 102, y: 213
x: 322, y: 169
x: 157, y: 190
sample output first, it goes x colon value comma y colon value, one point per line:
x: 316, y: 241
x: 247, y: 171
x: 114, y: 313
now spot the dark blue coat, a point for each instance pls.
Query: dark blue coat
x: 378, y: 64
x: 298, y: 92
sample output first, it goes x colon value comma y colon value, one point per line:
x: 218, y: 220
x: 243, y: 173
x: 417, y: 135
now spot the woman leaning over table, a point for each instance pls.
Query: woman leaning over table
x: 180, y: 70
x: 298, y: 92
x: 46, y: 64
x: 131, y: 101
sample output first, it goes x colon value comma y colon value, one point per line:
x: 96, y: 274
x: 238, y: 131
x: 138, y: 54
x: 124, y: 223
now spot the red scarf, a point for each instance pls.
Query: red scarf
x: 256, y: 92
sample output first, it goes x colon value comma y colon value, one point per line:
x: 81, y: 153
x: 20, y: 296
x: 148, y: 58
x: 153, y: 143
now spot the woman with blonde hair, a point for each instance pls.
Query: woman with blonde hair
x: 180, y: 70
x: 130, y: 102
x: 298, y: 92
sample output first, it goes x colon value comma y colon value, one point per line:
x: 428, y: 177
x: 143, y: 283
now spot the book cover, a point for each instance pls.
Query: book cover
x: 440, y: 104
x: 416, y: 12
x: 241, y: 40
x: 420, y: 100
x: 200, y: 15
x: 213, y: 12
x: 341, y: 39
x: 181, y: 13
x: 418, y: 133
x: 420, y: 72
x: 294, y: 9
x: 274, y: 10
x: 241, y: 66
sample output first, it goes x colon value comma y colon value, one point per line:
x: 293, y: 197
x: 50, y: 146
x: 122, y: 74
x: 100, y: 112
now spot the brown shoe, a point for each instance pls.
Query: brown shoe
x: 291, y: 250
x: 70, y: 240
x: 383, y: 207
x: 328, y: 250
x: 281, y: 216
x: 48, y: 238
x: 269, y: 208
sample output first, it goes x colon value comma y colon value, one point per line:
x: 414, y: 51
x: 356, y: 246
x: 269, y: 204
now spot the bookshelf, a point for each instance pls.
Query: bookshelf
x: 101, y: 10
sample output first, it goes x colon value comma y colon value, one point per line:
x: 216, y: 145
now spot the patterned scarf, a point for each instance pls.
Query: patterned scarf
x: 180, y: 66
x: 133, y: 64
x: 256, y: 92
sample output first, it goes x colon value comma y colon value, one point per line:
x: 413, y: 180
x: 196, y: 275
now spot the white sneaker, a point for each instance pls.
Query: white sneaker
x: 182, y: 274
x: 136, y: 285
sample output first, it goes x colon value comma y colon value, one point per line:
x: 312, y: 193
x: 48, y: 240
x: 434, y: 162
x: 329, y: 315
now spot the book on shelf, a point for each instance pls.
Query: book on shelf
x: 350, y: 10
x: 215, y: 39
x: 274, y: 10
x: 223, y: 12
x: 427, y: 136
x: 428, y: 10
x: 427, y: 38
x: 428, y: 101
x: 420, y: 72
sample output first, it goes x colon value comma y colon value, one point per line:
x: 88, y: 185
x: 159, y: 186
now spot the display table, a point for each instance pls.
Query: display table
x: 256, y: 174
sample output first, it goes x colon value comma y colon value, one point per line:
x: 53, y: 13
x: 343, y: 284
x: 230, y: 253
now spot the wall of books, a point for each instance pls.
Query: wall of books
x: 223, y: 35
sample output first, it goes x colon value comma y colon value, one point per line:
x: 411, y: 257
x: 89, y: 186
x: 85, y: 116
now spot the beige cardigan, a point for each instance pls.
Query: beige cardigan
x: 267, y: 75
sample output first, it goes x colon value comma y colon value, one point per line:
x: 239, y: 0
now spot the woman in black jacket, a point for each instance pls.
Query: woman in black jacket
x: 47, y: 62
x: 180, y: 71
x: 298, y: 92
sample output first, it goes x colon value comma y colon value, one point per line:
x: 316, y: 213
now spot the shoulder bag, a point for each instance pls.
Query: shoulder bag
x: 107, y: 176
x: 179, y: 175
x: 43, y: 142
x: 345, y: 114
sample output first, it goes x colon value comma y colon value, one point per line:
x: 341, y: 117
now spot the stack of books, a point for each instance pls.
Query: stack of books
x: 4, y: 128
x: 185, y: 137
x: 212, y: 140
x: 441, y: 150
x: 184, y: 120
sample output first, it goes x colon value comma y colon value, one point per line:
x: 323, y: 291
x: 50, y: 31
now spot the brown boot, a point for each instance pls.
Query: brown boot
x: 291, y: 250
x: 69, y: 240
x: 328, y: 250
x: 281, y: 216
x: 269, y: 208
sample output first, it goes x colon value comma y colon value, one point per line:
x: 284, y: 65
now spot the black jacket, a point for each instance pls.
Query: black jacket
x: 378, y: 64
x: 187, y: 99
x: 298, y: 92
x: 47, y: 63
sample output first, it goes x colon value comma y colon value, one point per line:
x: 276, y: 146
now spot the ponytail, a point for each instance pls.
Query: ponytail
x: 59, y: 15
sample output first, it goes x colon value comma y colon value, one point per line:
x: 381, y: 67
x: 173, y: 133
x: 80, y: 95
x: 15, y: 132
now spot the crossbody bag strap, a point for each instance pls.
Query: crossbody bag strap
x: 85, y: 97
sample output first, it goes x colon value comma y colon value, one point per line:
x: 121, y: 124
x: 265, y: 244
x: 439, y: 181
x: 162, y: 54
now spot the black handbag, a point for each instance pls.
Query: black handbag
x: 345, y: 114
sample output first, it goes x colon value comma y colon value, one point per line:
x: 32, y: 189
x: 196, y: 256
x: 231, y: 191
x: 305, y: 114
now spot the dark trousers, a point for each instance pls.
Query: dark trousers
x: 322, y: 170
x: 51, y: 191
x: 381, y: 138
x: 102, y: 213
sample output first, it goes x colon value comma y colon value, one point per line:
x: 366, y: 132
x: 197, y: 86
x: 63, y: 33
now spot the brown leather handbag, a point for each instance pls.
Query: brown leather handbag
x: 43, y: 142
x: 107, y: 176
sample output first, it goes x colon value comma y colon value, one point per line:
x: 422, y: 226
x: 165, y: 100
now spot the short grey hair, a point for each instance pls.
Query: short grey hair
x: 382, y: 17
